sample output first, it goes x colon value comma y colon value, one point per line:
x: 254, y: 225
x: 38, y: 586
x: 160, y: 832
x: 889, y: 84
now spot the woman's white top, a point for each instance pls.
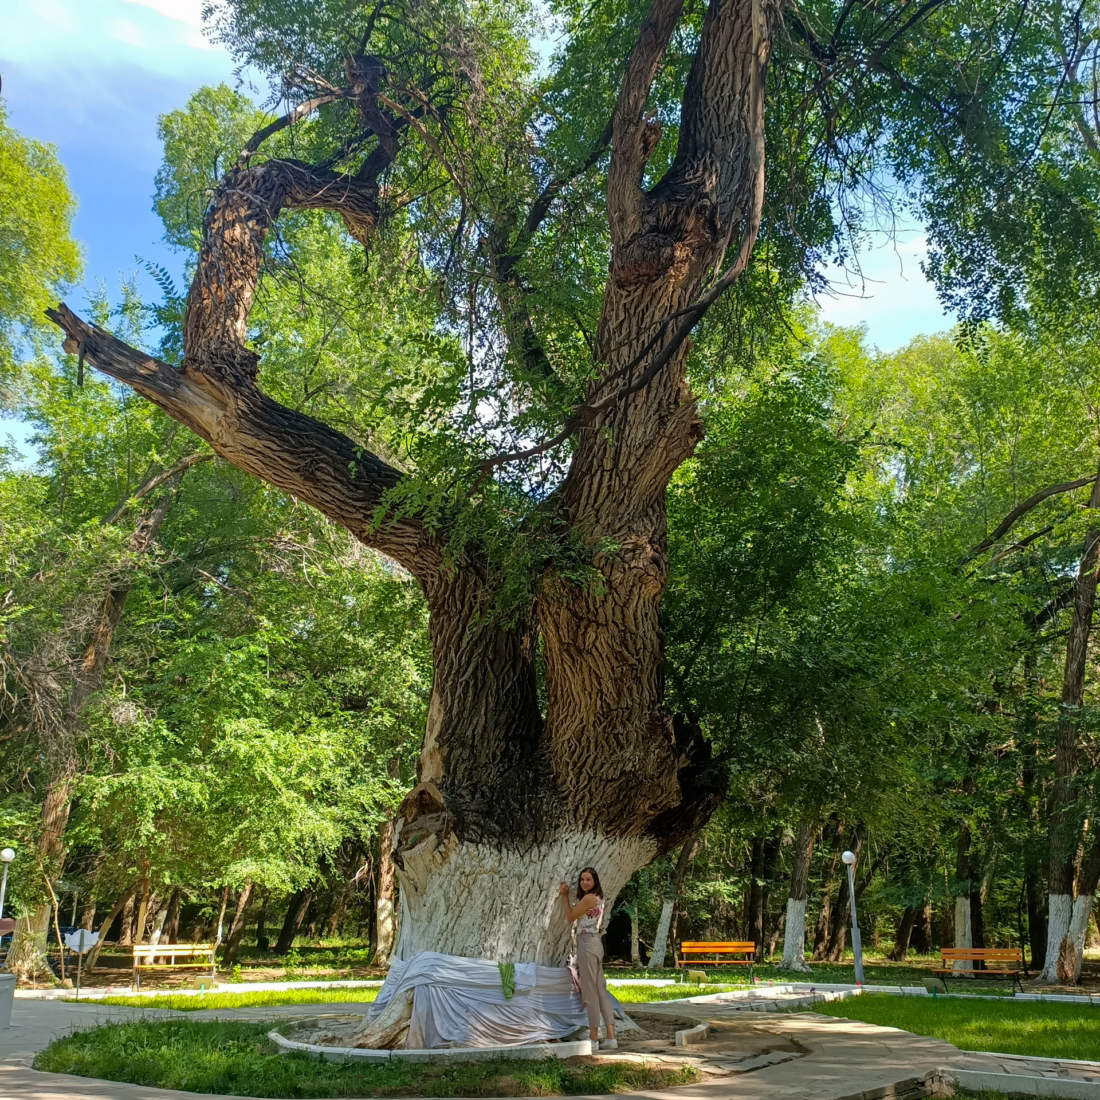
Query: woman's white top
x: 590, y: 922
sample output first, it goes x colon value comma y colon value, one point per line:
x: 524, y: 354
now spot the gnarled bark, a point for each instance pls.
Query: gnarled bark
x: 512, y: 797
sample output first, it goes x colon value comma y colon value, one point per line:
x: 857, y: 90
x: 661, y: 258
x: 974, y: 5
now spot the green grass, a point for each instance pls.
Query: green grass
x: 630, y: 994
x: 876, y: 972
x: 198, y: 1002
x: 238, y: 1058
x: 967, y: 1094
x: 643, y: 994
x: 1028, y: 1027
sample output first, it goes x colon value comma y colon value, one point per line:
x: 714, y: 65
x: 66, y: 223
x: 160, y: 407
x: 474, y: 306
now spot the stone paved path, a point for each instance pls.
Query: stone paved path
x: 842, y: 1059
x: 1021, y: 1065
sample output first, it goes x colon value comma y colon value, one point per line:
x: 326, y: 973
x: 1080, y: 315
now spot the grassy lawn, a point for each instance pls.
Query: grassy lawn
x: 1046, y: 1030
x: 842, y: 973
x: 200, y: 1001
x: 629, y: 994
x: 643, y: 994
x: 238, y: 1058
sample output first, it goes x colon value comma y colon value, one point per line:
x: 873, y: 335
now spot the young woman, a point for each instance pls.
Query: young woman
x: 588, y: 913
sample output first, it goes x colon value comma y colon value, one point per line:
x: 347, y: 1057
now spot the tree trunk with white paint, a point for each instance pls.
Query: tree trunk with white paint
x: 1062, y: 963
x: 1072, y: 948
x: 660, y: 937
x: 794, y: 935
x: 964, y: 936
x: 1059, y: 945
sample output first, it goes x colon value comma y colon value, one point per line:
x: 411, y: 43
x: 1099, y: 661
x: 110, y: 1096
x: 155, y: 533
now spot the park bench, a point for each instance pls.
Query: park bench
x: 997, y: 962
x: 717, y: 953
x: 180, y: 956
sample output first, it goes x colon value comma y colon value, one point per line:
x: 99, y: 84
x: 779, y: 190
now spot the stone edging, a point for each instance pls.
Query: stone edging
x: 1017, y: 1084
x: 689, y: 1036
x: 572, y: 1049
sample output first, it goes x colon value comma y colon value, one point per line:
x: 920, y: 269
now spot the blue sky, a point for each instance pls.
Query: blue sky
x: 92, y: 77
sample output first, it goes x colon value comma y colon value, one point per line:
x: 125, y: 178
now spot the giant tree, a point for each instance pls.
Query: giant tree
x: 574, y: 228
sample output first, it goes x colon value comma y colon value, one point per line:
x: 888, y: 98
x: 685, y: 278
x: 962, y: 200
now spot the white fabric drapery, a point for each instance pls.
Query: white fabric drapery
x: 460, y: 1002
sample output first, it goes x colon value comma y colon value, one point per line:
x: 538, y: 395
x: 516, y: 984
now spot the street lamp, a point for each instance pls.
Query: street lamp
x: 857, y: 944
x: 6, y: 856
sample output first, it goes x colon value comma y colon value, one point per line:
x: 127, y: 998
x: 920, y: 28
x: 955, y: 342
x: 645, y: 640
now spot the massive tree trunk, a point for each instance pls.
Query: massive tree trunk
x: 1061, y: 963
x: 512, y: 798
x: 794, y: 936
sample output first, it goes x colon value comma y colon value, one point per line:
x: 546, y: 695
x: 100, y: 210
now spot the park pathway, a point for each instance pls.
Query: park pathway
x: 838, y: 1059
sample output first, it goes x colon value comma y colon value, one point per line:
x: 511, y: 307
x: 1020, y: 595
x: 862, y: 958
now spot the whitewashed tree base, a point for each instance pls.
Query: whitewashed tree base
x: 480, y: 901
x: 794, y: 937
x: 1059, y: 917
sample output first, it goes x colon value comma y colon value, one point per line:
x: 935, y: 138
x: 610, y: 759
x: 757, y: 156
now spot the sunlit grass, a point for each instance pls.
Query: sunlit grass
x: 238, y: 1059
x: 1049, y: 1030
x: 198, y: 1001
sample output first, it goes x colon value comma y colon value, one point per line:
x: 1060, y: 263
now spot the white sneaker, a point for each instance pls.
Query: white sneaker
x: 609, y: 1044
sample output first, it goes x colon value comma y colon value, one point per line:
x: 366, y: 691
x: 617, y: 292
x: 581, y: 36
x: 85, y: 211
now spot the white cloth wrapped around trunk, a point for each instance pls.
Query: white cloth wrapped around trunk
x: 460, y: 1002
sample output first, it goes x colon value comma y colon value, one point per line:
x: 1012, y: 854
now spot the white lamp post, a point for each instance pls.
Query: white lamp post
x: 6, y: 856
x: 857, y: 944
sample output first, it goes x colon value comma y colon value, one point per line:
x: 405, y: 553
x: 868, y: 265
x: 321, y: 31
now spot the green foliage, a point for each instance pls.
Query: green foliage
x: 36, y: 210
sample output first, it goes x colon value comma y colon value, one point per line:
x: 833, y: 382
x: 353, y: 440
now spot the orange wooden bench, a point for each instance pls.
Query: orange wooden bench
x: 1007, y: 962
x: 711, y: 952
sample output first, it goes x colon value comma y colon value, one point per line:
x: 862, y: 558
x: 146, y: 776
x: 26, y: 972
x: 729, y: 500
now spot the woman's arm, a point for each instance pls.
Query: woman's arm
x: 585, y: 905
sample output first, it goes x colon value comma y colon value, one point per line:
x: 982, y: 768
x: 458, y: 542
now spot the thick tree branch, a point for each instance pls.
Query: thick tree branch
x: 633, y: 136
x: 244, y: 209
x: 1022, y: 509
x: 283, y: 447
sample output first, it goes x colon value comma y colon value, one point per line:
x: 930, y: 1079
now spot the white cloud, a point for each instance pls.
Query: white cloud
x: 187, y: 12
x: 122, y: 30
x: 54, y: 13
x: 182, y: 11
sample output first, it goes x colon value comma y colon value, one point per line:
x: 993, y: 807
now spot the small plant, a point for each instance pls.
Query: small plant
x: 235, y: 973
x: 292, y: 963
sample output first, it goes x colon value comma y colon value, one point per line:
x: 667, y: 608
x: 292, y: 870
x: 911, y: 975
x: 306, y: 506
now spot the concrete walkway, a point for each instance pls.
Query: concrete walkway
x: 813, y: 1057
